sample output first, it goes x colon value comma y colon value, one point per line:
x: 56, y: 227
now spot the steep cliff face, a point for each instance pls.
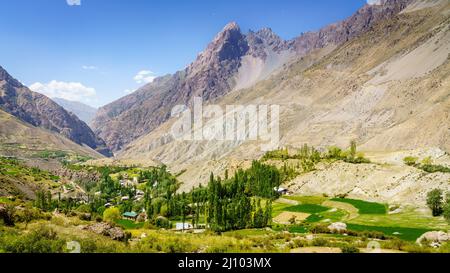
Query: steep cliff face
x: 212, y: 75
x: 233, y: 60
x: 341, y: 32
x: 40, y: 111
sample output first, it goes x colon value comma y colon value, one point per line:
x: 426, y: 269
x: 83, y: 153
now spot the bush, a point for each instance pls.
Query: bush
x: 446, y: 212
x: 320, y: 242
x: 410, y: 160
x: 40, y: 240
x: 162, y: 222
x: 28, y: 214
x: 320, y: 229
x: 85, y: 216
x: 111, y: 215
x: 84, y: 208
x: 298, y: 243
x: 349, y: 249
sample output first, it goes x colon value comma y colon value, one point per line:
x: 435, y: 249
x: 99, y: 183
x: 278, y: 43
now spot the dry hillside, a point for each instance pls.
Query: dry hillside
x: 388, y: 88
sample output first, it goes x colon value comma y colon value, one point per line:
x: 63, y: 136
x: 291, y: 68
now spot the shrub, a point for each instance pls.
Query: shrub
x: 320, y: 229
x: 320, y: 242
x: 410, y: 160
x: 85, y: 216
x: 334, y: 152
x: 298, y: 243
x: 40, y: 240
x: 162, y: 222
x: 349, y: 249
x: 427, y: 161
x: 111, y: 215
x: 446, y: 212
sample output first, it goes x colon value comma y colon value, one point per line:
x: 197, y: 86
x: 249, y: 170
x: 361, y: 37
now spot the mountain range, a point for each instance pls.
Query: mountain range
x: 83, y: 111
x: 380, y: 77
x: 232, y: 61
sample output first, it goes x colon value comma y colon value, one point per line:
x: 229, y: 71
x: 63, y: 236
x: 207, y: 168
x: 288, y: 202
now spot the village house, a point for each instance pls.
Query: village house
x: 281, y: 190
x: 130, y: 215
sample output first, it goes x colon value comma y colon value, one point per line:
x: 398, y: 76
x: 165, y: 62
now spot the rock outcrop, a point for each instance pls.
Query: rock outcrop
x: 107, y: 229
x: 434, y: 238
x: 338, y: 227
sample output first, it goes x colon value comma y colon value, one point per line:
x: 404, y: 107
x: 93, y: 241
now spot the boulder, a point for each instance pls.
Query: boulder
x: 434, y: 238
x: 107, y: 229
x: 338, y: 227
x: 116, y: 234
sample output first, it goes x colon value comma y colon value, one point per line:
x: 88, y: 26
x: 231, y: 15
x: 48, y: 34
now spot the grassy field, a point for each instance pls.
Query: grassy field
x: 128, y: 224
x: 317, y: 200
x: 409, y: 217
x: 408, y: 224
x: 335, y: 215
x: 307, y: 208
x: 278, y: 208
x: 407, y: 234
x: 363, y: 206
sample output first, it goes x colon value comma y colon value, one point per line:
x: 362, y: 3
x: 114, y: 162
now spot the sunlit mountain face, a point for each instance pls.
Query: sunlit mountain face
x: 323, y: 130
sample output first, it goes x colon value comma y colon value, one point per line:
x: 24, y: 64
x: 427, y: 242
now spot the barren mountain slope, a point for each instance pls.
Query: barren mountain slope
x: 20, y: 139
x: 387, y: 88
x: 216, y: 71
x: 232, y: 61
x: 38, y: 110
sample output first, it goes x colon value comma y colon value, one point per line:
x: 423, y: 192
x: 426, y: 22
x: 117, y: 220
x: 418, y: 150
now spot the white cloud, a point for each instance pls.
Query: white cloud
x: 374, y: 2
x: 89, y: 67
x: 129, y: 91
x: 144, y: 76
x: 73, y: 2
x: 73, y: 91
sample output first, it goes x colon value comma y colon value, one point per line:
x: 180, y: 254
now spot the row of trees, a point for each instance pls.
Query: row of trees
x: 45, y: 202
x: 438, y: 204
x: 243, y: 201
x: 310, y: 156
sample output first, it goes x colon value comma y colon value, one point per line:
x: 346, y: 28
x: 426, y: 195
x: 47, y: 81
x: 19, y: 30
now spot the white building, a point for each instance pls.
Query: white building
x: 185, y: 226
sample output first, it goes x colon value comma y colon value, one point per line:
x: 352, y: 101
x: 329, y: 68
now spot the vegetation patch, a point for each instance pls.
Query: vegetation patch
x: 407, y: 234
x: 364, y: 207
x: 128, y: 224
x: 425, y: 165
x: 307, y: 208
x: 318, y: 200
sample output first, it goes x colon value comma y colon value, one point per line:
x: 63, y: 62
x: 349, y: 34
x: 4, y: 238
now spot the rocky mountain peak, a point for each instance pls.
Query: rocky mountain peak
x: 228, y: 44
x: 217, y: 70
x: 263, y: 40
x: 232, y: 26
x: 4, y: 76
x: 358, y: 23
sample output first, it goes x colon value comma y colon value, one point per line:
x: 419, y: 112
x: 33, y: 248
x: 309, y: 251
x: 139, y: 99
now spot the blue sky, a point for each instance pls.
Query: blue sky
x: 93, y: 52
